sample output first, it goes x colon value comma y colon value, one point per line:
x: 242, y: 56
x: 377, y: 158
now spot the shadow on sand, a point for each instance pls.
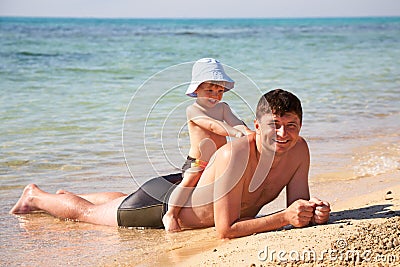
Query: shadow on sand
x: 370, y: 212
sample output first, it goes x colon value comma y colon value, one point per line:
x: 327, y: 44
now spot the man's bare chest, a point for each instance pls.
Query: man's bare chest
x: 267, y: 191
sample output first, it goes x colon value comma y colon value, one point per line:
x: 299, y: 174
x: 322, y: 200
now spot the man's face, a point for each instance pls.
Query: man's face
x: 209, y: 93
x: 278, y: 133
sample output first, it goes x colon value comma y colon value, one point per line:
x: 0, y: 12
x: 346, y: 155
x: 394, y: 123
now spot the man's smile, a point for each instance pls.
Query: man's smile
x: 281, y: 141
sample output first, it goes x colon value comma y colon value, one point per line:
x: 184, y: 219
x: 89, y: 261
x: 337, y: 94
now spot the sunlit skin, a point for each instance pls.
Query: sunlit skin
x: 209, y: 122
x: 282, y: 132
x: 209, y: 94
x: 210, y: 119
x: 244, y: 176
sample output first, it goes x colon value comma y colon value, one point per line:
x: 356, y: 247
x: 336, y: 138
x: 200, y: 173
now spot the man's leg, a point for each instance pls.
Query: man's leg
x: 67, y: 206
x: 96, y: 198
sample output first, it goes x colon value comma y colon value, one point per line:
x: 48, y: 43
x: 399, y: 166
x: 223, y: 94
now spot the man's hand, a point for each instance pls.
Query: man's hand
x: 300, y: 213
x: 322, y: 210
x: 170, y: 223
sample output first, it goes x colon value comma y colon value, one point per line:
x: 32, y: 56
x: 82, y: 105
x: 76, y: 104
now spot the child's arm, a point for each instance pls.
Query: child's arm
x: 244, y: 129
x: 206, y: 122
x: 234, y: 121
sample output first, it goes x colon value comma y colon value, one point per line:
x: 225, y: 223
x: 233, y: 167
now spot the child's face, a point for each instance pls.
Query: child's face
x: 210, y: 91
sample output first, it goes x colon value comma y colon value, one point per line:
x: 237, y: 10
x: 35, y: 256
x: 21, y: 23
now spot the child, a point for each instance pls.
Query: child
x: 209, y: 122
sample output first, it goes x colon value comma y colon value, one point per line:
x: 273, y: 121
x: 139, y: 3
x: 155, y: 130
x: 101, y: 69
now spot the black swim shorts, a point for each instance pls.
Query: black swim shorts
x: 147, y: 206
x: 187, y: 164
x: 190, y: 162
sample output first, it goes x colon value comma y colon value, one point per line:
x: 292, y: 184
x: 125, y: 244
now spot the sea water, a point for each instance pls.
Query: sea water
x: 98, y: 105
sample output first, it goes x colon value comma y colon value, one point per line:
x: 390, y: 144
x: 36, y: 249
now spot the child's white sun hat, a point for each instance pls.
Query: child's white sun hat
x: 208, y: 69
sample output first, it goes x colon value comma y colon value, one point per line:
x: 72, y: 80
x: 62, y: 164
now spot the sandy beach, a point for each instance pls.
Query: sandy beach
x: 363, y: 231
x: 74, y: 87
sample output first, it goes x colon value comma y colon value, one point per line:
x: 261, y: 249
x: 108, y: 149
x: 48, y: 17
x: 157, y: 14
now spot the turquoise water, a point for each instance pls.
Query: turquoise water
x: 66, y: 85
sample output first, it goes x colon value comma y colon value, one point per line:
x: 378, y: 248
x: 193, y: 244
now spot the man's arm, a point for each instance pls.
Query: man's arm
x: 228, y: 199
x: 229, y: 225
x: 298, y: 186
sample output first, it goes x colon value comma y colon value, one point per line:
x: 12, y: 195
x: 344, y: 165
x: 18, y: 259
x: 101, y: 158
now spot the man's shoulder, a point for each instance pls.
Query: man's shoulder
x: 302, y: 143
x: 238, y: 147
x: 234, y: 158
x: 300, y: 150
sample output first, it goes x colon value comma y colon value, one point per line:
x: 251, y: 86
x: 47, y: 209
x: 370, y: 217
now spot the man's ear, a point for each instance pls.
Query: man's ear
x: 257, y: 126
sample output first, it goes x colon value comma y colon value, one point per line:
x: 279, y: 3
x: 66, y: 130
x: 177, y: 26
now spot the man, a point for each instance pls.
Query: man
x: 246, y: 174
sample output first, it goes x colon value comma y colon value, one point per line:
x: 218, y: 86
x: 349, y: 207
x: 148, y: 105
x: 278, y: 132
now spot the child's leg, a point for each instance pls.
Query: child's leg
x: 178, y: 199
x: 207, y: 148
x: 182, y: 192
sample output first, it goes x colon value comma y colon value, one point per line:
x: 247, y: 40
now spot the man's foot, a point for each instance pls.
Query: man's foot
x: 24, y: 204
x: 62, y: 191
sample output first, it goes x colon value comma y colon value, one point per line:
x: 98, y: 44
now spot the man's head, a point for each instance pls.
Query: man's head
x: 208, y: 70
x: 278, y: 121
x: 279, y: 102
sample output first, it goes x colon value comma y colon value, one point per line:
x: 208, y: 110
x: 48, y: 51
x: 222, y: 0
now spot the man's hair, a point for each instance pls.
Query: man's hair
x: 279, y: 102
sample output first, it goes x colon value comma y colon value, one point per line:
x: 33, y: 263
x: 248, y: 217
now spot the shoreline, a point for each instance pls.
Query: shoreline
x: 366, y: 212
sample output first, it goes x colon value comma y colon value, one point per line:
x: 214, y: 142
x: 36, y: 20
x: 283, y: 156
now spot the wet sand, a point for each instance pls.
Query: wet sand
x: 362, y: 231
x: 39, y: 239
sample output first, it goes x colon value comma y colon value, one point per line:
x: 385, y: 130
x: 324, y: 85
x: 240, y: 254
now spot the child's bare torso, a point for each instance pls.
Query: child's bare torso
x: 200, y: 138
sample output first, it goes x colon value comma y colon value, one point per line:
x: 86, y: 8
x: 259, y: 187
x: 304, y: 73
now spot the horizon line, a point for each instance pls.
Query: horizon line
x: 199, y: 18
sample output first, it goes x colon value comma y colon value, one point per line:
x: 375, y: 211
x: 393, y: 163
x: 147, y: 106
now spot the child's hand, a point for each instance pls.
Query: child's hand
x: 248, y: 131
x: 171, y: 223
